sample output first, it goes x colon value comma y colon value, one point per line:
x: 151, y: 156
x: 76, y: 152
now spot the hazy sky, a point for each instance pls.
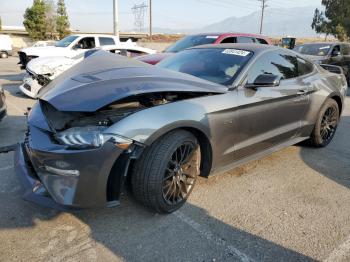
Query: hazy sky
x: 96, y: 15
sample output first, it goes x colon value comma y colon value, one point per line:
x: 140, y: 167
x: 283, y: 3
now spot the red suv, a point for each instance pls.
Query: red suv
x: 203, y: 39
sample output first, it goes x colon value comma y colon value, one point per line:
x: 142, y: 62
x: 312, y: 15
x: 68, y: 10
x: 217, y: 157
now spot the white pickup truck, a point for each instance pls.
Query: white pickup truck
x: 70, y: 46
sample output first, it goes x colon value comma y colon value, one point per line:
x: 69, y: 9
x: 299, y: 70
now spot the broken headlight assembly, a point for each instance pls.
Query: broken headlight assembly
x: 90, y: 137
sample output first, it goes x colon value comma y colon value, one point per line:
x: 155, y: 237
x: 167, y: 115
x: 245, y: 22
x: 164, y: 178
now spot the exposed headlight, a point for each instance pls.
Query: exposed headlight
x: 319, y: 62
x: 90, y: 137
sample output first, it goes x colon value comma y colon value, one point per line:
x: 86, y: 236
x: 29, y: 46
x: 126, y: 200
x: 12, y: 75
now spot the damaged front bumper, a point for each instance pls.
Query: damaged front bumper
x: 30, y: 86
x: 65, y: 179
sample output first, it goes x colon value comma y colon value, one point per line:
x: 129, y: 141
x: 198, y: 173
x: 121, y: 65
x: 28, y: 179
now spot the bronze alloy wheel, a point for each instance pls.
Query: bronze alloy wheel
x: 181, y: 173
x: 329, y: 123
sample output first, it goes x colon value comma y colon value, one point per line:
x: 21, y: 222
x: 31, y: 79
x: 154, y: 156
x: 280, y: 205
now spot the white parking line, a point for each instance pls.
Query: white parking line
x: 340, y: 253
x: 211, y: 237
x: 5, y: 168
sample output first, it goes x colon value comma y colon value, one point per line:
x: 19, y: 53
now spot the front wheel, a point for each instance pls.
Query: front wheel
x: 326, y: 124
x: 164, y: 176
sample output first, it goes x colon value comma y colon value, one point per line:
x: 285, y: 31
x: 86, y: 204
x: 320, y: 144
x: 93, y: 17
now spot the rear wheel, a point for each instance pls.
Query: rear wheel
x: 164, y: 176
x: 3, y: 55
x: 326, y: 124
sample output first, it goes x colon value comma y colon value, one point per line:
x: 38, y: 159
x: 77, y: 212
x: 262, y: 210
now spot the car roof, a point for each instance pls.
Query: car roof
x: 324, y: 43
x: 101, y: 35
x: 255, y: 48
x: 230, y: 34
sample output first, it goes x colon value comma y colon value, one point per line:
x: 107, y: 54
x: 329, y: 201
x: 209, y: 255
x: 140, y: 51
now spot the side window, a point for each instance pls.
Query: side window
x: 336, y: 49
x: 281, y: 64
x: 262, y: 41
x: 304, y: 67
x: 231, y: 40
x: 345, y: 49
x: 106, y: 41
x: 87, y: 43
x: 244, y: 39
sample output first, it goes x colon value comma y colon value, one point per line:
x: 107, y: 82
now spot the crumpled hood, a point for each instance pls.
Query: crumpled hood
x: 104, y: 78
x: 48, y: 65
x: 154, y: 58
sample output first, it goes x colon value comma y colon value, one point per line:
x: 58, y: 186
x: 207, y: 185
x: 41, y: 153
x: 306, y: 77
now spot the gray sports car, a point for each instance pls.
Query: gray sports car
x: 108, y: 122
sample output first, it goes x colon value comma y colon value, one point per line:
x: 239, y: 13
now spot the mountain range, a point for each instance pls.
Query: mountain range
x: 277, y: 22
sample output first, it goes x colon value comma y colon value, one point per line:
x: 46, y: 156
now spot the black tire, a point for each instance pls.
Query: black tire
x: 3, y: 55
x: 326, y: 124
x: 156, y: 173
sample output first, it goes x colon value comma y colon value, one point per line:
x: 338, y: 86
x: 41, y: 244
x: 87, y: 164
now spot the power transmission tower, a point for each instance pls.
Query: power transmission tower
x: 263, y: 7
x: 139, y: 13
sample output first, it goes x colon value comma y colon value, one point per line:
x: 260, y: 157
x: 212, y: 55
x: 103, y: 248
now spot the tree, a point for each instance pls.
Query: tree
x: 62, y: 22
x: 50, y: 14
x: 35, y: 20
x: 320, y: 25
x: 0, y: 24
x: 334, y: 20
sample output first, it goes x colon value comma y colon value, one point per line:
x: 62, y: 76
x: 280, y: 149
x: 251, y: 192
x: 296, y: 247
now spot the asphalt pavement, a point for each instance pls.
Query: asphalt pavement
x: 290, y: 206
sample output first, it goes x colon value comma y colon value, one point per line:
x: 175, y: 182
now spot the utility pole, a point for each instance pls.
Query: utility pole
x: 150, y: 18
x: 115, y: 18
x: 263, y: 6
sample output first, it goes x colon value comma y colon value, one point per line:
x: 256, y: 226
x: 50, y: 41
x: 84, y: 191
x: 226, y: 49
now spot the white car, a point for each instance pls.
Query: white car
x: 69, y: 46
x: 41, y: 71
x: 5, y: 46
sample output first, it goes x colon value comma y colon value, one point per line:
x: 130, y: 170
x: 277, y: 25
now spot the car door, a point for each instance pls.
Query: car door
x: 271, y: 115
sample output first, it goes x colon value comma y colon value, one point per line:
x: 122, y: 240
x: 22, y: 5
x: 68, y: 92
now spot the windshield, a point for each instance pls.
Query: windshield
x: 313, y: 49
x: 190, y: 41
x: 217, y: 65
x: 66, y: 41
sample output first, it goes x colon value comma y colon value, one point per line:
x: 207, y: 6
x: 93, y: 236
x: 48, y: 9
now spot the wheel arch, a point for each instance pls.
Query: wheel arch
x: 339, y: 101
x: 200, y: 132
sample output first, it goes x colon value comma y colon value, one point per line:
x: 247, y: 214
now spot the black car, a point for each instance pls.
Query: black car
x: 331, y: 53
x: 2, y: 104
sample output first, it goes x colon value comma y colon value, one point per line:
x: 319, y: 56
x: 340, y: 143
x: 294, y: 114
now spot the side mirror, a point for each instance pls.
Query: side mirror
x: 77, y: 46
x: 336, y: 53
x: 265, y: 80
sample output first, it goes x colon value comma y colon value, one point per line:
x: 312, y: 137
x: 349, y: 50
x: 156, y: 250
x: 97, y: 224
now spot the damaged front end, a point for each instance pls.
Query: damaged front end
x: 73, y: 155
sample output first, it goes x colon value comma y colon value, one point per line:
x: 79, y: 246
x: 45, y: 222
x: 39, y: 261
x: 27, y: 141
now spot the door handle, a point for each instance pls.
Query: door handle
x: 302, y: 92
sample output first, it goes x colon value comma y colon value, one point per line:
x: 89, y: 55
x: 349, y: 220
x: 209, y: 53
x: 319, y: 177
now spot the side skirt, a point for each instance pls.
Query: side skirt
x: 259, y: 155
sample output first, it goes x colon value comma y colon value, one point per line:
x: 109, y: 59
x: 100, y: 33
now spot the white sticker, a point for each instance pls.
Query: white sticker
x: 212, y: 36
x: 325, y: 47
x: 236, y: 52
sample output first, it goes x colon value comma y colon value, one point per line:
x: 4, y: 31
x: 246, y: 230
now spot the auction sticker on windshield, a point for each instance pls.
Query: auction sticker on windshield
x: 236, y: 52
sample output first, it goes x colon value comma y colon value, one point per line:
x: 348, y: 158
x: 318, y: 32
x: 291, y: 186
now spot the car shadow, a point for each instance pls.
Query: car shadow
x: 133, y: 233
x: 333, y: 160
x: 13, y: 77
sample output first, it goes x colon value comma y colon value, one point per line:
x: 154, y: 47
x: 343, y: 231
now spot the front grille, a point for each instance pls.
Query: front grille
x: 28, y: 87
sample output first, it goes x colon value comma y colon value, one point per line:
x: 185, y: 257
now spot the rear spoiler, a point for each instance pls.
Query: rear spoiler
x: 333, y: 69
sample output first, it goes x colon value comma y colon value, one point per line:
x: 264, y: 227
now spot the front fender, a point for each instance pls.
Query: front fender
x: 148, y: 125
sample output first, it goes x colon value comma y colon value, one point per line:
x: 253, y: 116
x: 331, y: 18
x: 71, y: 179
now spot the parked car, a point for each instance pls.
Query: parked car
x: 42, y: 70
x: 335, y: 53
x: 202, y: 39
x: 5, y: 46
x: 205, y: 110
x: 69, y: 46
x: 2, y: 103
